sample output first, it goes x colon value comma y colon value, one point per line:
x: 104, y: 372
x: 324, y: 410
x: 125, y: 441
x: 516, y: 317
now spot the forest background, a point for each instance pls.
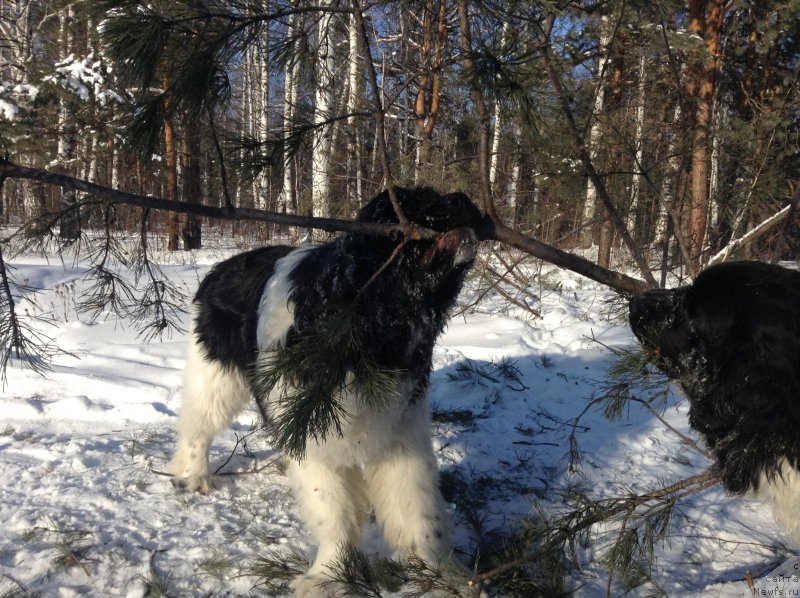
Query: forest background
x: 631, y: 142
x: 658, y: 133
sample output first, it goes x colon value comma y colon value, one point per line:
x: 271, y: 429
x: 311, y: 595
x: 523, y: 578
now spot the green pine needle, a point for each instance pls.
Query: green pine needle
x: 308, y: 381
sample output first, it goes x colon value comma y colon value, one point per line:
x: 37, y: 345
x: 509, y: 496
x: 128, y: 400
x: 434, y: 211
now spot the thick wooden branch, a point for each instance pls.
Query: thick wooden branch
x: 9, y: 170
x: 616, y: 280
x: 492, y: 229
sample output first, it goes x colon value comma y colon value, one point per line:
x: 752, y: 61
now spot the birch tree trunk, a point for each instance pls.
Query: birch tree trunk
x: 287, y: 195
x: 668, y: 185
x: 636, y: 179
x: 245, y: 121
x: 498, y: 127
x: 262, y: 192
x: 323, y: 104
x: 595, y: 132
x: 70, y: 224
x: 354, y: 165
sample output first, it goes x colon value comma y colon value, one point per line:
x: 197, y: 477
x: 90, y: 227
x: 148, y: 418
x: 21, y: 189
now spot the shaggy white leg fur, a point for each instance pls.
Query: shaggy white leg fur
x: 212, y: 396
x: 403, y: 487
x: 784, y: 494
x: 334, y: 507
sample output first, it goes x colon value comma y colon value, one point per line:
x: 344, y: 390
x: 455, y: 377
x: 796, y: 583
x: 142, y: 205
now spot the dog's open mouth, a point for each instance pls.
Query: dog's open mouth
x: 460, y: 243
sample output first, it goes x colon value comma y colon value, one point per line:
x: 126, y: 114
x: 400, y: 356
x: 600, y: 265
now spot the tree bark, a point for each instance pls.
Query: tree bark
x: 595, y: 131
x: 323, y: 107
x: 171, y: 163
x: 706, y: 21
x: 428, y: 98
x: 496, y: 231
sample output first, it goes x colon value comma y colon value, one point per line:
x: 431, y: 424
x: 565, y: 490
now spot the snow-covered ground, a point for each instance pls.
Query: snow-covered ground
x: 83, y: 510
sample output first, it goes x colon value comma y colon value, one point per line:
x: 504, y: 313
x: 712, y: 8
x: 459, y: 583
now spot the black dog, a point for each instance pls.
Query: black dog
x: 732, y: 342
x: 266, y: 302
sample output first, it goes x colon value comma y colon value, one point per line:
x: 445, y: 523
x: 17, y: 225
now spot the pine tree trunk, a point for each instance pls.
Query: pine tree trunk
x: 706, y: 21
x: 616, y: 151
x: 426, y: 107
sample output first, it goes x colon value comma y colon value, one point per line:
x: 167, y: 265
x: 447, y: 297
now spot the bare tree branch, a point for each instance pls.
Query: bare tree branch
x: 762, y: 228
x: 563, y: 259
x: 493, y: 230
x: 583, y: 155
x: 10, y: 170
x: 380, y: 116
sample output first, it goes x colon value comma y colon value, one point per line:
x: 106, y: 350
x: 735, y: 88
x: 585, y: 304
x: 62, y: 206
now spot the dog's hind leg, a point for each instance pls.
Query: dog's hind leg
x: 212, y: 396
x: 334, y: 506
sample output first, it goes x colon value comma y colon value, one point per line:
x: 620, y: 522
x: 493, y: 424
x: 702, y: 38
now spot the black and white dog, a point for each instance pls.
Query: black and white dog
x: 732, y: 342
x: 267, y: 299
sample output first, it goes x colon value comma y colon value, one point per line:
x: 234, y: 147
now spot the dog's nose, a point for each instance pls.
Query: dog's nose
x: 468, y: 247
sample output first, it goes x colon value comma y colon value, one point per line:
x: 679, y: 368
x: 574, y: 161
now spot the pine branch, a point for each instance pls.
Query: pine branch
x: 600, y: 511
x: 32, y: 348
x: 313, y: 377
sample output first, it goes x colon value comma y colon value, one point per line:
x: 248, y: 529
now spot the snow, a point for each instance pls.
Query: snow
x: 86, y: 77
x: 83, y: 510
x: 8, y: 110
x: 15, y: 96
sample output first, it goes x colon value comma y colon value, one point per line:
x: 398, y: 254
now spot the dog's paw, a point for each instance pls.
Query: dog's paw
x: 317, y: 586
x: 194, y: 483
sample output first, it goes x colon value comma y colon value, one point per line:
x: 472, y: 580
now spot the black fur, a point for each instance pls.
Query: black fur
x: 732, y: 342
x: 399, y: 315
x: 226, y: 305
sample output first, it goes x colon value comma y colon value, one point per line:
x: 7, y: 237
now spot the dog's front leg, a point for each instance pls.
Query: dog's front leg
x: 403, y: 487
x: 334, y: 506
